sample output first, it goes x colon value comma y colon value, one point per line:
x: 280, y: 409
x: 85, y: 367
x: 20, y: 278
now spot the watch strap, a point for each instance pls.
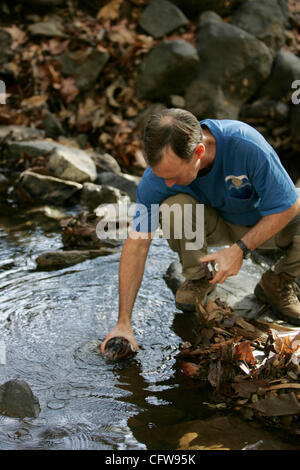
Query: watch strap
x: 246, y: 251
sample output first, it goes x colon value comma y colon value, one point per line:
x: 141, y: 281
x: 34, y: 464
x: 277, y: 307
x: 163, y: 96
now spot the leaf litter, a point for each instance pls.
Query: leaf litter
x: 250, y: 367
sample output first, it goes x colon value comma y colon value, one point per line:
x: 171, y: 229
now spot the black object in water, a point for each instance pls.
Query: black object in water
x: 118, y: 348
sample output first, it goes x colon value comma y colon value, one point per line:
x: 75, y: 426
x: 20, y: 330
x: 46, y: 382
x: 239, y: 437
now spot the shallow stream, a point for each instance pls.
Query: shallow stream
x: 52, y: 323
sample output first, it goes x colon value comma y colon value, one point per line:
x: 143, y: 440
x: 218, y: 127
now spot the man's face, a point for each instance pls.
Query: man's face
x: 174, y: 170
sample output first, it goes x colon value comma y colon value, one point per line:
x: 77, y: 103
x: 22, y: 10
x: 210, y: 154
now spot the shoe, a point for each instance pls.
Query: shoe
x: 279, y: 291
x: 189, y: 291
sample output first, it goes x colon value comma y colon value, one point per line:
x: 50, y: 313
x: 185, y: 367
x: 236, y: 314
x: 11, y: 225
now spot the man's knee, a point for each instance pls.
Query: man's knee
x: 180, y: 198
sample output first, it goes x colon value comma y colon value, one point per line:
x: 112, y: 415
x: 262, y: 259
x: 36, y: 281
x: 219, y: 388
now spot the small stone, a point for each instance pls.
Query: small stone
x: 58, y: 259
x: 177, y: 101
x: 17, y: 400
x: 292, y: 375
x: 56, y: 404
x: 160, y: 17
x: 49, y: 29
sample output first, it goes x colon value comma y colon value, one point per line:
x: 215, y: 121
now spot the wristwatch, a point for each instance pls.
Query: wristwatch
x: 246, y: 251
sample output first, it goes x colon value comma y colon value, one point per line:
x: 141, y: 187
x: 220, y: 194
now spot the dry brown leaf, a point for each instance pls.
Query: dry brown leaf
x: 190, y: 369
x: 18, y: 36
x: 121, y: 34
x: 68, y: 89
x: 110, y: 11
x: 243, y: 352
x: 34, y: 101
x: 56, y: 47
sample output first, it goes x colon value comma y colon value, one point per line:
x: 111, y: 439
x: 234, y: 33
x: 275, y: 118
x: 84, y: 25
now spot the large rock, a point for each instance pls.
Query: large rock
x: 92, y: 195
x: 48, y: 188
x: 65, y: 162
x: 18, y: 401
x: 105, y: 162
x: 59, y: 259
x: 34, y: 148
x: 265, y: 110
x: 72, y: 164
x: 193, y: 8
x: 285, y: 71
x: 52, y: 126
x: 20, y: 132
x: 233, y: 65
x: 160, y: 17
x: 205, y: 99
x: 266, y: 20
x: 85, y: 65
x: 208, y: 17
x: 125, y: 183
x: 167, y: 70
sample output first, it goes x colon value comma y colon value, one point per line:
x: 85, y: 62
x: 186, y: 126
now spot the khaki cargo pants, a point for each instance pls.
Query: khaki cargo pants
x: 218, y: 232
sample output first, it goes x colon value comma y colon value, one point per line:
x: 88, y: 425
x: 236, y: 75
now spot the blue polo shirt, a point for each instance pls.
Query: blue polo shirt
x: 247, y: 180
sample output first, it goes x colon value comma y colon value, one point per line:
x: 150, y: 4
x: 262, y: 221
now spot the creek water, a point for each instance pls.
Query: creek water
x: 52, y: 323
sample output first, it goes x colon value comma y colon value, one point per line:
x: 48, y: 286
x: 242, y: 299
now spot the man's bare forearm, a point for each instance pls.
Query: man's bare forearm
x: 132, y: 265
x: 269, y: 225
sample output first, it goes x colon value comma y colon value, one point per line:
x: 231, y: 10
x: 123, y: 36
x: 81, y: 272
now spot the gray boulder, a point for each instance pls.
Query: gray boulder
x: 266, y: 20
x: 72, y: 164
x: 208, y: 17
x: 286, y: 70
x: 161, y: 17
x: 34, y: 148
x: 18, y: 401
x: 193, y: 8
x: 206, y: 99
x: 48, y: 188
x: 167, y: 70
x: 52, y: 126
x: 233, y: 65
x: 85, y: 66
x: 265, y: 109
x: 105, y: 162
x: 92, y: 195
x: 125, y: 183
x: 20, y: 132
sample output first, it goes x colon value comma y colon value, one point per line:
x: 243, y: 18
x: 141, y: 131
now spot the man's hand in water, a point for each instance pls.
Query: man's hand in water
x: 121, y: 330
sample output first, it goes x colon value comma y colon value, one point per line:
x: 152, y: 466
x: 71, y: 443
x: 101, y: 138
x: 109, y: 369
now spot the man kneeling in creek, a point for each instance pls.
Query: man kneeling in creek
x: 249, y: 202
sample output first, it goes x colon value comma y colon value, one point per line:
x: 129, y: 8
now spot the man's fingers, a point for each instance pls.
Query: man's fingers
x: 219, y: 278
x: 207, y: 258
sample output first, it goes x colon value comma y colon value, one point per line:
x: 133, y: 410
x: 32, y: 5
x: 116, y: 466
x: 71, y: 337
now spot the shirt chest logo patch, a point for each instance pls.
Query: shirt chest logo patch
x: 237, y: 182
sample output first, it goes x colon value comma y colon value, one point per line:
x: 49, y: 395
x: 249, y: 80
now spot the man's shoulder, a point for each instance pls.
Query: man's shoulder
x: 231, y: 128
x: 238, y: 135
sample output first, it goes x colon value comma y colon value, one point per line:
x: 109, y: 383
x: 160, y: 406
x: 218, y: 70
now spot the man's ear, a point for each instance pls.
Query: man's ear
x: 200, y: 150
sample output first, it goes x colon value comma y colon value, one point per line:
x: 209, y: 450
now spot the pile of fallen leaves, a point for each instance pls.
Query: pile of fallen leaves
x: 81, y: 232
x: 109, y: 113
x: 251, y: 367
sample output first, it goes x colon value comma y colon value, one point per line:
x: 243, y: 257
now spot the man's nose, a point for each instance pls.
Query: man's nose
x: 170, y: 183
